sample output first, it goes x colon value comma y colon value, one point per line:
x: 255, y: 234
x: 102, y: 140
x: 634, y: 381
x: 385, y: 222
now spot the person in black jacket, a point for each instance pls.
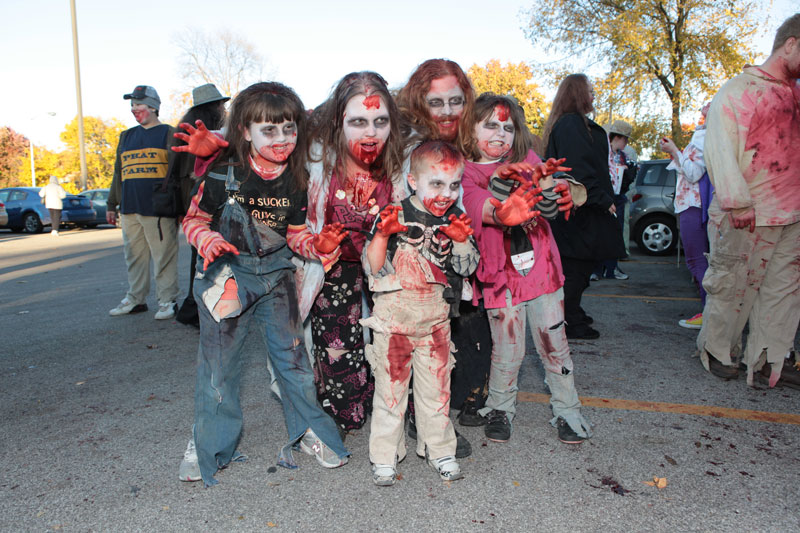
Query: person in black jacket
x: 592, y: 233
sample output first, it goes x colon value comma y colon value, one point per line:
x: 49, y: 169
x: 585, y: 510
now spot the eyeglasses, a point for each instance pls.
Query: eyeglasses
x: 456, y: 101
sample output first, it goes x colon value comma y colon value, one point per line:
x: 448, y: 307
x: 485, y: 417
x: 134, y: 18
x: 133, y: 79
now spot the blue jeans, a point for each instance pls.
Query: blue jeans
x: 267, y: 296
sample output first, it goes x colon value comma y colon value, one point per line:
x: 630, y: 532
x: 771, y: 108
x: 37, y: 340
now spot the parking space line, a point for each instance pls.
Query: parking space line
x: 643, y: 297
x: 663, y: 407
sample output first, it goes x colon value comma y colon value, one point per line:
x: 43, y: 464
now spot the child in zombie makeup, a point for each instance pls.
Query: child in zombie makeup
x: 520, y: 269
x: 415, y: 258
x: 246, y: 221
x: 355, y: 162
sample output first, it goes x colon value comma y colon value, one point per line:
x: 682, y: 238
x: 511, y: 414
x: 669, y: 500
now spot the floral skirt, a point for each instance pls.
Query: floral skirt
x: 344, y: 383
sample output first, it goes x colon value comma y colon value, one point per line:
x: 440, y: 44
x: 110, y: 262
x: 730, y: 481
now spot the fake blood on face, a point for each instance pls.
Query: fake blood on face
x: 372, y: 102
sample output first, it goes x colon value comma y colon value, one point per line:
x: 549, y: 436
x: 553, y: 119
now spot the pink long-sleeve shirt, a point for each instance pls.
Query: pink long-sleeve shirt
x: 495, y: 275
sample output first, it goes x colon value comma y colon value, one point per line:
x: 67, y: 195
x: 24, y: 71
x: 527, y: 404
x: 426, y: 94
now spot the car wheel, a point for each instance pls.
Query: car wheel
x: 32, y: 224
x: 89, y: 226
x: 657, y: 235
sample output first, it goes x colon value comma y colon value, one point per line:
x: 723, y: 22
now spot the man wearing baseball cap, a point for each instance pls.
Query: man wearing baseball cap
x: 143, y: 161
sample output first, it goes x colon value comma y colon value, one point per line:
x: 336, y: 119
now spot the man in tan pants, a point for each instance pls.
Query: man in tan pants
x: 754, y: 219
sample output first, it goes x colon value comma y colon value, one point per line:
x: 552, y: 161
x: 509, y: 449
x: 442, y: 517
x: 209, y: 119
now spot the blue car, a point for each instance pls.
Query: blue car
x: 99, y: 198
x: 27, y: 212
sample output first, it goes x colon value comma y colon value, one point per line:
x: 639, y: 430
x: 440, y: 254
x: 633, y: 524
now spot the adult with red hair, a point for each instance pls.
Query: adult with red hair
x: 434, y: 100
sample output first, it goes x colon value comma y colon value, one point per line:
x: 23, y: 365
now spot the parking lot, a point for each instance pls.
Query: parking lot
x: 98, y: 411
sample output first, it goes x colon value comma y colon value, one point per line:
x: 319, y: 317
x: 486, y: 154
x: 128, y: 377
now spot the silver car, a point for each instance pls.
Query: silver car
x: 653, y: 223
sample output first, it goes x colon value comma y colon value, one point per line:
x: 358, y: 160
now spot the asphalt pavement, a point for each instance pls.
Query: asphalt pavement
x: 98, y: 411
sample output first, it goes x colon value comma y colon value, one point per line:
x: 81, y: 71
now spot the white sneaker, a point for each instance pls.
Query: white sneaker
x: 447, y: 468
x: 125, y: 307
x: 190, y: 468
x: 384, y: 475
x: 165, y: 311
x: 54, y: 233
x: 311, y: 445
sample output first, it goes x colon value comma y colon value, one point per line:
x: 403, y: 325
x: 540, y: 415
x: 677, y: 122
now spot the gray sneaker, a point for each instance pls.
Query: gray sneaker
x: 311, y: 445
x: 447, y: 468
x: 190, y: 468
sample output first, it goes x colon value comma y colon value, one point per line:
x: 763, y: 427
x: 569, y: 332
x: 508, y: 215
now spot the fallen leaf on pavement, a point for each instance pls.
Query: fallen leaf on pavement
x: 515, y: 483
x: 658, y: 482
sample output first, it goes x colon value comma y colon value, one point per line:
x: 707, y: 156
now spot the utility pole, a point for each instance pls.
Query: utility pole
x: 75, y: 55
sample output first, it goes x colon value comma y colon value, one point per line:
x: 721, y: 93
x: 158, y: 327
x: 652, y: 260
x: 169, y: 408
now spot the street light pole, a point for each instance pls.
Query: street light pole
x: 81, y: 137
x: 33, y: 167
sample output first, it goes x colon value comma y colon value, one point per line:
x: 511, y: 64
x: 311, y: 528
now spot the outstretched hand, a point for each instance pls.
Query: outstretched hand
x: 217, y: 249
x: 517, y: 171
x: 390, y: 223
x: 565, y: 204
x: 518, y: 207
x: 330, y: 237
x: 458, y: 229
x: 199, y: 141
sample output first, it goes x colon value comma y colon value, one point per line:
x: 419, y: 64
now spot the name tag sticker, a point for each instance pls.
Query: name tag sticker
x: 523, y: 261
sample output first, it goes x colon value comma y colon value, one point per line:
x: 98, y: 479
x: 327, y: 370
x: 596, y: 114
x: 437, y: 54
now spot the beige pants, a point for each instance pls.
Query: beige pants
x: 756, y: 277
x: 410, y: 330
x: 142, y: 240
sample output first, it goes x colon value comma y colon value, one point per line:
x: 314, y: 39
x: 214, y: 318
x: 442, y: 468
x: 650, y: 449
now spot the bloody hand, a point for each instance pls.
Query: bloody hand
x: 216, y: 249
x: 518, y: 207
x: 743, y: 218
x: 565, y: 204
x: 199, y: 141
x: 390, y: 224
x: 458, y: 229
x: 330, y: 237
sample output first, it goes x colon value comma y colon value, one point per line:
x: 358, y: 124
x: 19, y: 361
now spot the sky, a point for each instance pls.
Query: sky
x: 308, y: 45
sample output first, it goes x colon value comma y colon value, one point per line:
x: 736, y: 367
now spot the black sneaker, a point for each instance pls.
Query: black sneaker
x: 566, y: 434
x: 582, y: 331
x: 412, y: 428
x: 463, y: 447
x: 469, y: 415
x: 498, y: 428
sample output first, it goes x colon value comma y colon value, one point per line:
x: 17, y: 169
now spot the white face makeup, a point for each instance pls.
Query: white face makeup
x: 437, y: 186
x: 366, y: 127
x: 495, y: 134
x: 446, y: 104
x: 273, y: 142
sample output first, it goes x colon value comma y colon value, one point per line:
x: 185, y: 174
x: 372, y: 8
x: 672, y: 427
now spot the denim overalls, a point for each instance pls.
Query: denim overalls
x: 267, y: 296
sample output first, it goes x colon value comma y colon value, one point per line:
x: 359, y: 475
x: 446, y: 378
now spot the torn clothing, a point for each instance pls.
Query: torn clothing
x: 267, y: 299
x: 411, y: 330
x: 545, y: 317
x: 753, y: 131
x: 440, y: 259
x: 756, y: 277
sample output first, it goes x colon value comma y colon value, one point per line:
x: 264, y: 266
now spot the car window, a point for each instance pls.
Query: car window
x: 4, y: 196
x: 652, y: 175
x: 17, y: 196
x: 102, y: 195
x: 671, y: 178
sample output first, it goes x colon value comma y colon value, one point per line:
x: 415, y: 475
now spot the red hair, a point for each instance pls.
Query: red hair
x: 411, y: 98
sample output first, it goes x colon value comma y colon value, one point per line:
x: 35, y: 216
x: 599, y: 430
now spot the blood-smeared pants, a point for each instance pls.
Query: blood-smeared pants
x: 545, y: 315
x: 410, y: 330
x: 753, y: 276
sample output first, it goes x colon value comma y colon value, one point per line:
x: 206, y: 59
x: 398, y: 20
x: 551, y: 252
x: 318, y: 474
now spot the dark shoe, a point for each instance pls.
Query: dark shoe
x: 582, y: 331
x: 790, y: 374
x: 412, y: 427
x: 566, y: 434
x: 188, y: 314
x: 469, y: 415
x: 498, y: 428
x: 463, y: 447
x: 721, y: 371
x: 589, y: 320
